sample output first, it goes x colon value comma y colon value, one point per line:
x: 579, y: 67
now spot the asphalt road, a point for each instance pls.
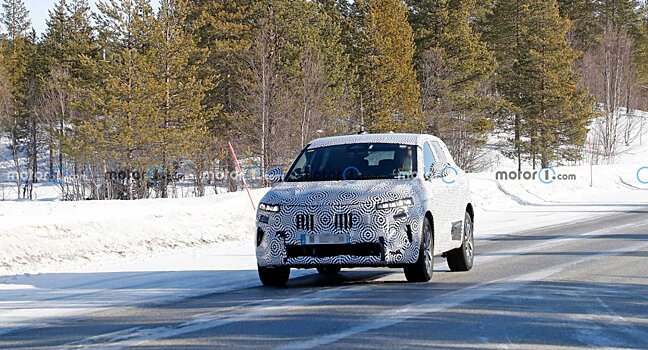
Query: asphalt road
x: 580, y: 285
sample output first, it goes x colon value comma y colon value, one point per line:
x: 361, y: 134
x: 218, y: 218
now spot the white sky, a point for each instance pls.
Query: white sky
x: 38, y: 11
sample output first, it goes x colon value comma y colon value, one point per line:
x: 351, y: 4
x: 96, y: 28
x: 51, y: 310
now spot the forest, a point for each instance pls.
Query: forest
x: 159, y: 90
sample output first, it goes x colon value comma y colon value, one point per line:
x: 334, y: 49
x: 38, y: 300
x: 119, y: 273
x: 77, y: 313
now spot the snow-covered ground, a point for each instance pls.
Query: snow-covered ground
x: 68, y: 258
x: 38, y: 236
x: 42, y: 236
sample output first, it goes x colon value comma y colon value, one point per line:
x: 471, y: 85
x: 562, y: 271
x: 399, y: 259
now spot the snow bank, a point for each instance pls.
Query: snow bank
x: 507, y: 206
x: 37, y: 234
x: 89, y: 256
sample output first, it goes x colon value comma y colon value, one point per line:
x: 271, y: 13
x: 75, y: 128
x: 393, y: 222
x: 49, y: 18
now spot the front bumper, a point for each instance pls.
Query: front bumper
x: 379, y: 239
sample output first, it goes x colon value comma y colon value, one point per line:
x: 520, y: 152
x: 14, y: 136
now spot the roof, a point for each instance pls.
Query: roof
x: 402, y: 139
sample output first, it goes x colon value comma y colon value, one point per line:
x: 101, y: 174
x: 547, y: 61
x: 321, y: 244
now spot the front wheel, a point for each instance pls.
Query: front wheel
x: 461, y: 259
x: 422, y: 269
x: 274, y: 276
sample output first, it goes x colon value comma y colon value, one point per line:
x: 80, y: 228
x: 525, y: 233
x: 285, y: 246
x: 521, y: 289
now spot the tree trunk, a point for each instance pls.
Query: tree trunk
x: 16, y: 159
x: 518, y: 145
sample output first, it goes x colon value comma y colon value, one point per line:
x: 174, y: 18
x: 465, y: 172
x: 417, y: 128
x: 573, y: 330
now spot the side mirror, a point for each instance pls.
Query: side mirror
x: 445, y: 170
x: 274, y: 175
x: 438, y: 170
x: 431, y: 173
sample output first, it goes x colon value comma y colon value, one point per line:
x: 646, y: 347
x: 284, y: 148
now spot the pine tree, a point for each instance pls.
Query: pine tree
x: 384, y: 60
x: 535, y: 75
x: 316, y: 72
x: 33, y: 100
x: 505, y: 30
x: 300, y: 75
x: 641, y: 52
x: 125, y: 102
x: 68, y: 39
x: 557, y: 108
x: 282, y: 69
x: 228, y: 30
x: 453, y: 64
x: 6, y: 99
x: 591, y: 18
x: 586, y: 27
x: 183, y: 118
x: 15, y: 19
x: 620, y: 13
x: 81, y: 40
x: 56, y: 35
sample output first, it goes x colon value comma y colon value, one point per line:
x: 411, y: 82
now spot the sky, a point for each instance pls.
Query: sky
x: 38, y: 11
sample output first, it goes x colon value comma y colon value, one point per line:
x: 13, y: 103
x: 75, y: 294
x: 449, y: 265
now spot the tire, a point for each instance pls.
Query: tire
x: 423, y: 268
x: 328, y: 270
x: 274, y: 276
x: 462, y: 258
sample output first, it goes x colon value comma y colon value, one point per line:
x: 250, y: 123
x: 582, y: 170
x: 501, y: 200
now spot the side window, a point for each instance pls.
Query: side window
x: 439, y: 151
x: 301, y: 165
x: 428, y: 158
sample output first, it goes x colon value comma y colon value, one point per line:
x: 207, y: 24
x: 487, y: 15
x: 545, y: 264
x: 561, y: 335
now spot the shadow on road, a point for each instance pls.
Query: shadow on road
x: 543, y: 313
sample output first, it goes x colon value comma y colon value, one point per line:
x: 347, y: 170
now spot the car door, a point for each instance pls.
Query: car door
x: 457, y: 191
x: 437, y: 195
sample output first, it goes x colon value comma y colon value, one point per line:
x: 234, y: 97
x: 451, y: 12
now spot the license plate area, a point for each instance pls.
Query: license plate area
x: 325, y: 238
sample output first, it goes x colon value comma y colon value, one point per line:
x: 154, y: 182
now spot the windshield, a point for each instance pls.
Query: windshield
x: 363, y: 161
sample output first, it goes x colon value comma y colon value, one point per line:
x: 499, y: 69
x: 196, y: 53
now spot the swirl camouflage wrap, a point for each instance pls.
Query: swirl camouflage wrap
x: 351, y: 211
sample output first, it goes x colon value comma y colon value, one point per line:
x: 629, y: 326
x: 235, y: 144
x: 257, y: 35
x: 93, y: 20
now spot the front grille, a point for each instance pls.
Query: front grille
x: 328, y: 250
x: 343, y: 221
x: 305, y: 221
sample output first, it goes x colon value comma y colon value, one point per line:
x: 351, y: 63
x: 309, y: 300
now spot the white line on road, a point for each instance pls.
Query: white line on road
x: 450, y: 300
x: 138, y: 336
x: 208, y: 321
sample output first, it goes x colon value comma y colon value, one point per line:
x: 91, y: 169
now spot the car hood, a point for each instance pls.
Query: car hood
x: 335, y: 193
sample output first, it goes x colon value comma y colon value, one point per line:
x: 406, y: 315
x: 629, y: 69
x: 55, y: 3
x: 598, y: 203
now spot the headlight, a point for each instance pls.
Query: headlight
x: 269, y: 208
x: 405, y: 202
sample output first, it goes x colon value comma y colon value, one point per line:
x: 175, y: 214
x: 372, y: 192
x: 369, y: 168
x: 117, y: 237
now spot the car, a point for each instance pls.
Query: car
x: 368, y: 200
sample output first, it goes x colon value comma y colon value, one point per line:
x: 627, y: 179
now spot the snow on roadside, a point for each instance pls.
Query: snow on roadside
x: 508, y: 206
x: 60, y: 259
x: 43, y: 236
x: 37, y: 236
x: 63, y: 259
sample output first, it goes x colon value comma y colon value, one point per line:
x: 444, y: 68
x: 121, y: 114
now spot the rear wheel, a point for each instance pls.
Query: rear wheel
x: 422, y: 269
x: 274, y: 276
x: 461, y: 259
x: 328, y: 270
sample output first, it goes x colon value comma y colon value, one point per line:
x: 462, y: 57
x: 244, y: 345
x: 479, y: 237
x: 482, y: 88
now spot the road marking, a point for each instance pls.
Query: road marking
x: 106, y: 336
x: 137, y: 336
x: 450, y: 300
x: 553, y: 242
x: 620, y: 323
x: 134, y: 337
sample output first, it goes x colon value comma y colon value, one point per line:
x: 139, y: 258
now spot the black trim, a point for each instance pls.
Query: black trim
x: 305, y: 222
x: 343, y: 221
x: 259, y: 237
x: 329, y: 250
